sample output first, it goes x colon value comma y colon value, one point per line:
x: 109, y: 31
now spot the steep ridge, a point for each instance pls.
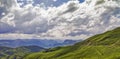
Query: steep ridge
x: 100, y: 46
x: 108, y: 38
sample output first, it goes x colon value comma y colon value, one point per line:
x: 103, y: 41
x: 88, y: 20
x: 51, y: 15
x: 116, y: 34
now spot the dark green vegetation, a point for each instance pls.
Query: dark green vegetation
x: 101, y: 46
x: 17, y: 53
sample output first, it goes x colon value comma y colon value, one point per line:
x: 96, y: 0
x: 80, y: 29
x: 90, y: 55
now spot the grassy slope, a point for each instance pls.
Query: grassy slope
x: 101, y: 46
x: 17, y: 53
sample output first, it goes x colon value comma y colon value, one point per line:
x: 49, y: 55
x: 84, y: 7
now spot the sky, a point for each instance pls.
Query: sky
x: 46, y: 2
x: 57, y: 19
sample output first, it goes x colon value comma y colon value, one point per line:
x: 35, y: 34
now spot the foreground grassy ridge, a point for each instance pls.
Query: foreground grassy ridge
x: 86, y: 52
x: 101, y: 46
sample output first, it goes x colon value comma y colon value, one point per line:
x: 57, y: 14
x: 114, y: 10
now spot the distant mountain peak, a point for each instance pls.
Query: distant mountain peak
x: 36, y: 42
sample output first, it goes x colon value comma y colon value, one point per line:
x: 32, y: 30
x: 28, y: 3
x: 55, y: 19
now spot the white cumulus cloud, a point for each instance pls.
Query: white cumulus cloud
x: 70, y: 20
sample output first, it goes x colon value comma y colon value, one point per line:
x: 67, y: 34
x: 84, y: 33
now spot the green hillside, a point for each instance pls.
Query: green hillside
x: 17, y: 53
x: 101, y: 46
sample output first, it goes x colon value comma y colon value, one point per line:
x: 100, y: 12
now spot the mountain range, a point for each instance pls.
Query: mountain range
x: 45, y: 43
x: 100, y: 46
x: 19, y: 48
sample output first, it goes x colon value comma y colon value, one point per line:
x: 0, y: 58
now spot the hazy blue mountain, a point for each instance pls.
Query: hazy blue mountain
x: 35, y: 42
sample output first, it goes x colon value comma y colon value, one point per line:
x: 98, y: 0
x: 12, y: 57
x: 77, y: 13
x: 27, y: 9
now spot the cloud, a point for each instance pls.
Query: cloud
x: 54, y: 0
x: 70, y: 20
x: 5, y: 28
